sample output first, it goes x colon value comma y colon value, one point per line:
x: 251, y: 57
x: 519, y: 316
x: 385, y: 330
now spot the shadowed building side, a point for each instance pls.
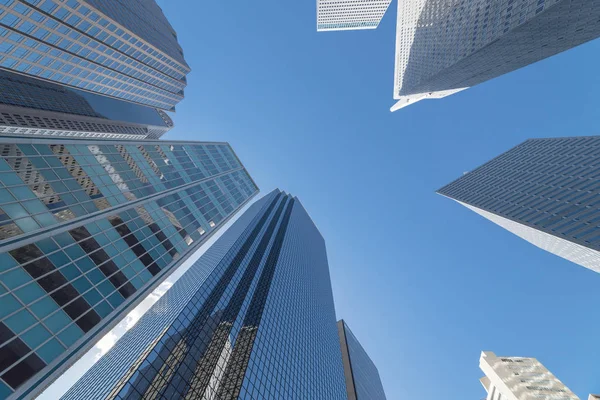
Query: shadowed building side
x: 30, y: 106
x: 362, y: 377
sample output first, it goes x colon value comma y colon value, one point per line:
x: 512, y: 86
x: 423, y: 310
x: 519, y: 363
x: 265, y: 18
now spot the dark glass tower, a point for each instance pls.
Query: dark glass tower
x: 88, y: 229
x: 31, y: 106
x: 544, y: 190
x: 253, y: 318
x: 362, y: 378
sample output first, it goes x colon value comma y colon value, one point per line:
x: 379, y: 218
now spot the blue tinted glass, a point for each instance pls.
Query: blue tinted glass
x: 32, y: 93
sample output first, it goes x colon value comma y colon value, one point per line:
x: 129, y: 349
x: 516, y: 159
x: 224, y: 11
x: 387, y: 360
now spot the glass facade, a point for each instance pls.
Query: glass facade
x: 444, y: 45
x: 362, y: 378
x: 87, y: 228
x: 253, y: 318
x: 98, y: 46
x: 21, y: 91
x: 31, y: 106
x: 544, y: 190
x: 144, y: 18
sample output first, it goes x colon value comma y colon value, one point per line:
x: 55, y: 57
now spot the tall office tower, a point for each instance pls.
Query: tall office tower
x: 520, y: 378
x: 124, y: 49
x: 362, y: 378
x: 88, y: 229
x: 444, y: 46
x: 343, y: 15
x: 544, y: 191
x: 594, y: 397
x: 31, y: 106
x: 253, y: 318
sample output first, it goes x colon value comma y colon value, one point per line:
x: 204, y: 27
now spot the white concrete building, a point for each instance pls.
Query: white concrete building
x: 520, y: 378
x: 343, y: 15
x: 446, y: 46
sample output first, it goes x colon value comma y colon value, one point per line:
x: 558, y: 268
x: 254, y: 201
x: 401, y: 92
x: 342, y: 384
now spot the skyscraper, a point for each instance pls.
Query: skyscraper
x: 121, y: 49
x: 87, y: 229
x: 362, y: 378
x: 444, y: 46
x: 31, y: 106
x: 253, y: 318
x: 544, y: 191
x: 520, y: 378
x: 340, y: 15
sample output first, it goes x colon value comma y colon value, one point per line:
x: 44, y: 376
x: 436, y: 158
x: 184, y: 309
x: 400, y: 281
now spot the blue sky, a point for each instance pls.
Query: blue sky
x: 425, y: 284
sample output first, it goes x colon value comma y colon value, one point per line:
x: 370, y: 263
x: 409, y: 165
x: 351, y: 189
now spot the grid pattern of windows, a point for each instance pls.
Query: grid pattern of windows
x: 42, y: 185
x: 36, y: 131
x: 444, y: 45
x: 334, y: 15
x: 22, y: 91
x: 261, y: 325
x: 551, y: 185
x: 72, y: 43
x: 86, y: 226
x: 145, y: 18
x: 25, y: 123
x: 365, y: 381
x: 520, y: 378
x: 31, y: 106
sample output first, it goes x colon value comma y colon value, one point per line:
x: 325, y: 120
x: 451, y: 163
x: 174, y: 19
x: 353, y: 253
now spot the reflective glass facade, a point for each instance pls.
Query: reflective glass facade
x: 253, y: 318
x: 544, y: 190
x: 447, y: 45
x: 362, y: 378
x: 122, y: 49
x: 31, y: 106
x: 87, y: 229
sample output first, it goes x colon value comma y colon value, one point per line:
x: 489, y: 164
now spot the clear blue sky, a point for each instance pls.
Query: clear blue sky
x: 424, y: 283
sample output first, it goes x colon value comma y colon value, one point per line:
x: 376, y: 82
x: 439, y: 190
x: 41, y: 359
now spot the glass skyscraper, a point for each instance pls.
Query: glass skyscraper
x: 362, y: 377
x: 87, y: 229
x: 444, y: 46
x: 124, y: 49
x: 30, y: 106
x: 88, y: 68
x: 544, y: 190
x: 253, y: 318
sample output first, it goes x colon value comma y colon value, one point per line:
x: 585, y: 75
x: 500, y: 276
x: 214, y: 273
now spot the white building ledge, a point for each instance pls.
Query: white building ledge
x: 404, y: 101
